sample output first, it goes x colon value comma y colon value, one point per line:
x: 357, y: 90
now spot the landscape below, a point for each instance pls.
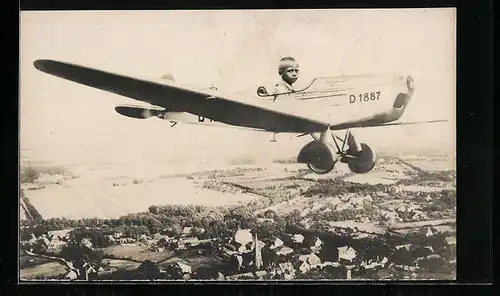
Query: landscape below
x: 246, y: 222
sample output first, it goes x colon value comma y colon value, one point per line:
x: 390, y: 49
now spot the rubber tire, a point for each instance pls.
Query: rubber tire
x: 365, y: 162
x: 320, y: 171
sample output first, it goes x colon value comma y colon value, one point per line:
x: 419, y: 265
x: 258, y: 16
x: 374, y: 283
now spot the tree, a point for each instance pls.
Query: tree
x: 218, y: 229
x: 153, y: 210
x: 148, y: 270
x: 293, y: 221
x: 270, y: 214
x: 96, y: 237
x: 78, y: 257
x: 205, y: 222
x: 267, y: 230
x: 154, y: 225
x: 136, y: 231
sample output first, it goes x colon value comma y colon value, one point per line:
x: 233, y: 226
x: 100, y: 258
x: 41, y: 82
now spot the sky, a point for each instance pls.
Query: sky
x: 235, y: 50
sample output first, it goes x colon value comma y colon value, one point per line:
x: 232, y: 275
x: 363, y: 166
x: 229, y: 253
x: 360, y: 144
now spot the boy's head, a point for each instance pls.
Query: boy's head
x: 288, y: 70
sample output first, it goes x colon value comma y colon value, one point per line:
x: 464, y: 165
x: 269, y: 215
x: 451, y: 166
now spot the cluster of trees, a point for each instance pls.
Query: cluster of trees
x: 342, y: 215
x: 426, y: 177
x: 28, y: 175
x: 337, y: 186
x: 442, y: 201
x: 170, y: 220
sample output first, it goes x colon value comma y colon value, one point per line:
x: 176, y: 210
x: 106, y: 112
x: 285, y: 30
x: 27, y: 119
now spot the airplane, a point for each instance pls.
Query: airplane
x: 325, y: 105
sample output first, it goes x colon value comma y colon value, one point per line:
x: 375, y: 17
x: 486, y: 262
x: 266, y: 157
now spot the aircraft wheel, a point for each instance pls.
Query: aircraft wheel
x: 321, y: 169
x: 364, y: 162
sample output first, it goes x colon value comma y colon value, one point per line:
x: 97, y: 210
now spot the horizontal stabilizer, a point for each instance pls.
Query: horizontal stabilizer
x: 405, y: 123
x: 139, y: 112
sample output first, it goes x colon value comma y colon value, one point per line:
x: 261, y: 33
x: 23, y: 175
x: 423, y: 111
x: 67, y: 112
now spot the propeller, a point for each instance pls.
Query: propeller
x: 139, y: 112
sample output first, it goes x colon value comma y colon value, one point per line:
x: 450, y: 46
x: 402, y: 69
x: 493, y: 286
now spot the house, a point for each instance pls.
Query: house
x: 32, y: 239
x: 346, y: 253
x: 239, y: 261
x: 260, y: 274
x: 186, y: 231
x: 307, y: 262
x: 117, y: 234
x: 259, y: 243
x: 243, y: 248
x: 184, y: 268
x: 317, y: 243
x: 312, y: 259
x: 126, y: 240
x: 286, y: 268
x: 298, y: 238
x: 328, y: 263
x: 45, y: 239
x: 60, y: 233
x: 87, y: 243
x: 159, y: 236
x: 276, y: 244
x: 71, y: 275
x: 188, y: 242
x: 262, y: 220
x: 242, y: 240
x: 406, y: 247
x: 243, y: 236
x: 283, y: 251
x: 304, y: 267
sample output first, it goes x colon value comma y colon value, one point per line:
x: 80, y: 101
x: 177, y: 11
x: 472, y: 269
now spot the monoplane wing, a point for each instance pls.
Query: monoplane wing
x: 218, y: 108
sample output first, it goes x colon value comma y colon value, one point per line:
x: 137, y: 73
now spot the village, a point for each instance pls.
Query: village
x: 244, y: 256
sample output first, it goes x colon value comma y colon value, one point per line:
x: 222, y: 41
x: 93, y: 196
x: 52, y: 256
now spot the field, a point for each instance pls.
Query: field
x: 46, y: 269
x: 136, y: 253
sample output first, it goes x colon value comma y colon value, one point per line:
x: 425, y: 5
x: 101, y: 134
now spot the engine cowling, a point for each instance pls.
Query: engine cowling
x: 319, y: 156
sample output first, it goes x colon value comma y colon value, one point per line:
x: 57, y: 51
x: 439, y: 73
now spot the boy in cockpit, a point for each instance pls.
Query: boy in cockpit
x: 289, y: 72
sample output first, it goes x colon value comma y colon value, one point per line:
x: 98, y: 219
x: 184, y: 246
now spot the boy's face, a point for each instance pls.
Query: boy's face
x: 291, y: 74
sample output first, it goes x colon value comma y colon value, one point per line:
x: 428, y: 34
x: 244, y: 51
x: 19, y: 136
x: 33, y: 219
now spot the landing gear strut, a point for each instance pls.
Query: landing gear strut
x: 319, y: 155
x: 360, y: 158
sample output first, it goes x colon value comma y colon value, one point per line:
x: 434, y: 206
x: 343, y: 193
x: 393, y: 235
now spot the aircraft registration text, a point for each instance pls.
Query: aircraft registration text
x: 364, y: 97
